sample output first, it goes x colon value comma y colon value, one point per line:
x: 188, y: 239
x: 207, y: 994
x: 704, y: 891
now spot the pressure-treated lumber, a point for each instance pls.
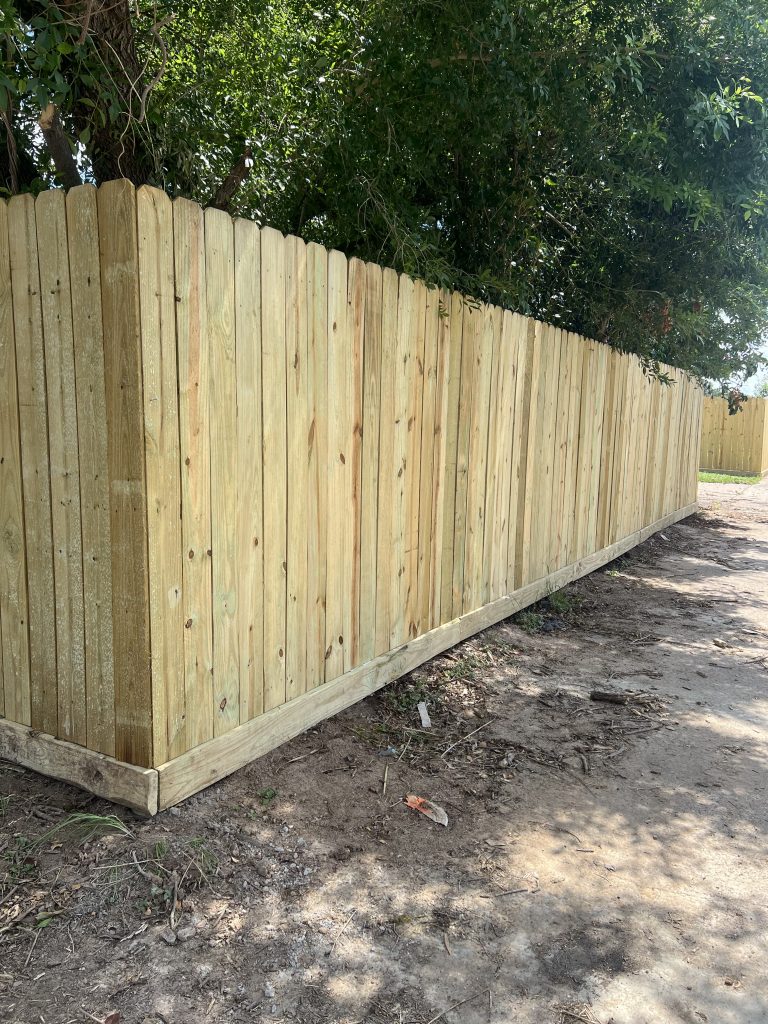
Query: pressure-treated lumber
x: 123, y: 783
x: 87, y: 330
x: 163, y: 470
x: 734, y: 443
x: 55, y: 291
x: 220, y: 312
x: 371, y: 430
x: 338, y: 466
x: 195, y: 459
x: 249, y: 479
x: 14, y: 638
x: 35, y: 705
x: 237, y: 468
x: 388, y: 490
x: 123, y: 374
x: 298, y: 425
x: 317, y: 454
x: 215, y: 760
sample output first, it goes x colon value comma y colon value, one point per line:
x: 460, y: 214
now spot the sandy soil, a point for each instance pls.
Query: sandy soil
x: 603, y: 862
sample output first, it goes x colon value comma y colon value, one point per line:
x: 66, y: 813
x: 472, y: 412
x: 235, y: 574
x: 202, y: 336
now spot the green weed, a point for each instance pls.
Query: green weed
x: 530, y: 622
x: 205, y: 860
x: 80, y: 828
x: 403, y: 696
x: 728, y: 478
x: 563, y: 603
x: 161, y: 850
x: 267, y: 796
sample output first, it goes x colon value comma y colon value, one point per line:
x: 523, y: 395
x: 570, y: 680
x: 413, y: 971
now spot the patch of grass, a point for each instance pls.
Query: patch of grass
x: 203, y: 857
x: 403, y: 695
x: 728, y: 478
x: 18, y: 862
x: 4, y: 805
x: 267, y: 796
x: 617, y: 566
x: 80, y: 828
x: 371, y: 734
x: 465, y: 669
x: 161, y: 850
x: 563, y: 603
x: 530, y: 622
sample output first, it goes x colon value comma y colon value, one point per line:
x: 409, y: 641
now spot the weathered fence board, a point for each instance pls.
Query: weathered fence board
x: 246, y: 481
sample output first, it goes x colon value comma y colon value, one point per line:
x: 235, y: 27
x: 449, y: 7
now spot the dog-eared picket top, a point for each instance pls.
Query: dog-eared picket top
x: 245, y: 482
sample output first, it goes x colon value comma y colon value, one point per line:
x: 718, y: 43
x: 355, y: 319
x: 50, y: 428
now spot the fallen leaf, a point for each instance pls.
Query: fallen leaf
x: 432, y: 811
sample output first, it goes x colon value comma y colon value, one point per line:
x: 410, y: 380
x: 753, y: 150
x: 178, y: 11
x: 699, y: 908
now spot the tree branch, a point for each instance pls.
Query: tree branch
x: 222, y: 198
x: 13, y: 154
x: 58, y: 146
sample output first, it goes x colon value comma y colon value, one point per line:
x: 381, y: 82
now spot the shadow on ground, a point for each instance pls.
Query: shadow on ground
x: 602, y: 862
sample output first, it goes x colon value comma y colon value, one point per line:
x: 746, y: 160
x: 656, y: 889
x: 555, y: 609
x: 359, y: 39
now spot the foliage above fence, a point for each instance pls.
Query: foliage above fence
x: 237, y: 467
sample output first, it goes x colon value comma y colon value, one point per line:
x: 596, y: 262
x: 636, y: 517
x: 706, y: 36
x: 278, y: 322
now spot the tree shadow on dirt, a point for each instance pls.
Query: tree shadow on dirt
x: 571, y: 880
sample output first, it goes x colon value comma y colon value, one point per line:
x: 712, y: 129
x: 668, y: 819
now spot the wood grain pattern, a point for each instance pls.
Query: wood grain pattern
x: 298, y: 413
x: 317, y: 502
x: 85, y: 282
x: 452, y: 337
x: 528, y: 442
x: 440, y: 470
x: 293, y: 474
x: 430, y: 439
x: 163, y: 470
x: 469, y: 332
x: 576, y: 350
x: 482, y: 321
x: 274, y: 441
x: 388, y: 480
x: 118, y: 257
x: 225, y: 559
x: 409, y: 593
x: 353, y: 428
x: 403, y: 371
x: 339, y: 465
x: 250, y: 497
x: 14, y: 614
x: 501, y: 433
x: 50, y: 215
x: 33, y: 699
x: 519, y: 429
x: 103, y: 776
x: 369, y: 494
x: 195, y: 457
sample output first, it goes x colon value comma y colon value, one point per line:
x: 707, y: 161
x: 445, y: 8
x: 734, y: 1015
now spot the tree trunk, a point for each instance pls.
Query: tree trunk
x: 117, y: 149
x: 58, y: 146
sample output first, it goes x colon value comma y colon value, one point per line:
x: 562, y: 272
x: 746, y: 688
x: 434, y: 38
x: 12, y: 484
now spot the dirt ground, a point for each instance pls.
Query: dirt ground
x: 603, y: 862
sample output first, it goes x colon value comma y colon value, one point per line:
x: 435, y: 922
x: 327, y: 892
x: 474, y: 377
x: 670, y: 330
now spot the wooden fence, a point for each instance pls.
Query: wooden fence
x: 738, y: 443
x: 245, y: 481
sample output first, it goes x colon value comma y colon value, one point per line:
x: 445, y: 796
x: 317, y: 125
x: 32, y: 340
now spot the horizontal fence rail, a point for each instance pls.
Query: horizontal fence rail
x: 237, y: 467
x: 735, y: 443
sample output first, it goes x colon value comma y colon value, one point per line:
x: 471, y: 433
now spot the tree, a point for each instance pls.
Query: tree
x: 601, y: 166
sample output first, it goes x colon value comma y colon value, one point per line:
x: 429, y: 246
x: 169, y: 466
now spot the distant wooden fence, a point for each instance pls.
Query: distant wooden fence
x: 246, y: 481
x: 738, y: 443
